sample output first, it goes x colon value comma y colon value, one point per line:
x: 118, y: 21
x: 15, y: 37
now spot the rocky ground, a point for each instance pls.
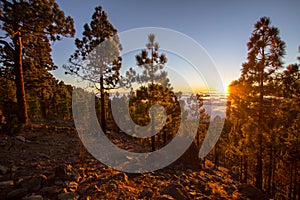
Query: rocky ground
x: 47, y: 161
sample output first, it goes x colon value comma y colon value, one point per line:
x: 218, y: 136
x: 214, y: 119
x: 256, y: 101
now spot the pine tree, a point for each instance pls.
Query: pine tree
x: 290, y: 115
x: 96, y: 58
x: 29, y: 27
x: 152, y: 64
x: 140, y: 105
x: 259, y: 77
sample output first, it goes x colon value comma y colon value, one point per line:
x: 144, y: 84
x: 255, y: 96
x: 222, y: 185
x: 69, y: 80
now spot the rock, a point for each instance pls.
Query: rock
x: 67, y: 173
x: 121, y: 176
x: 83, y: 188
x: 17, y: 193
x: 146, y: 194
x: 14, y: 168
x: 252, y: 192
x: 6, y: 183
x: 3, y: 170
x: 58, y: 182
x: 3, y: 142
x: 20, y: 138
x: 208, y: 191
x: 72, y: 186
x: 205, y: 198
x: 68, y: 196
x: 165, y: 197
x: 49, y: 190
x: 229, y: 189
x: 33, y: 184
x: 50, y: 180
x: 177, y: 191
x: 200, y: 185
x: 113, y: 185
x: 33, y: 197
x: 43, y: 155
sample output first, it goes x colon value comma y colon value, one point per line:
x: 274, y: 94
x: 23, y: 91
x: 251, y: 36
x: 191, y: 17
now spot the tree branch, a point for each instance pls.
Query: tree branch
x: 7, y: 45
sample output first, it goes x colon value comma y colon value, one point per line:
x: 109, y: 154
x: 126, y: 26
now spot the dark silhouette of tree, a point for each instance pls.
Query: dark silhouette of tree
x: 8, y: 105
x: 97, y: 57
x: 29, y: 27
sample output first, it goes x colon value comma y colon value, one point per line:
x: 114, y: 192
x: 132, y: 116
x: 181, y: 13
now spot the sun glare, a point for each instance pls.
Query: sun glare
x: 226, y: 88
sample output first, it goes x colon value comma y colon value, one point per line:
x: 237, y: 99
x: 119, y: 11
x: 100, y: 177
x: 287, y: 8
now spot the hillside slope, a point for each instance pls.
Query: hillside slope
x: 46, y: 162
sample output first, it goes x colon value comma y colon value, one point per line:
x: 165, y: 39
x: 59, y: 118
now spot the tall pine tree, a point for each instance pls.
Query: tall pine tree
x: 28, y: 28
x: 259, y: 76
x: 152, y: 64
x: 96, y: 58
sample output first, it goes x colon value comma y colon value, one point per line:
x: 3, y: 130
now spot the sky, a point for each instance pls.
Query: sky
x: 221, y: 28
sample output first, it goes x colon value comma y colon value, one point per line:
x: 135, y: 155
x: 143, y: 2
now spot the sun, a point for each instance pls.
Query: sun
x: 226, y: 88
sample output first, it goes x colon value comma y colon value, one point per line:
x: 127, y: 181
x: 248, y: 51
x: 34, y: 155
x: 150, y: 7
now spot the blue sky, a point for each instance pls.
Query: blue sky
x: 222, y: 28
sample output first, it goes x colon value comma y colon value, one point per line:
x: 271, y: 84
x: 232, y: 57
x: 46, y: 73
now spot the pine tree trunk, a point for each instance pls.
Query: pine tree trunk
x: 241, y: 169
x: 165, y: 137
x: 216, y: 160
x: 259, y: 178
x: 152, y: 131
x: 270, y: 169
x: 291, y: 183
x: 102, y: 101
x: 245, y: 180
x: 296, y: 184
x: 20, y: 88
x: 43, y: 109
x: 273, y: 177
x: 295, y: 179
x: 152, y: 113
x: 152, y: 121
x: 258, y: 182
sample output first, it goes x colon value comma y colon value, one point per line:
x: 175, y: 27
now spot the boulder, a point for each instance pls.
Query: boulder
x: 20, y: 138
x: 147, y: 193
x: 177, y: 191
x: 68, y: 196
x: 67, y: 173
x: 6, y: 183
x: 3, y: 170
x: 33, y: 184
x: 17, y: 193
x: 49, y: 190
x: 33, y: 197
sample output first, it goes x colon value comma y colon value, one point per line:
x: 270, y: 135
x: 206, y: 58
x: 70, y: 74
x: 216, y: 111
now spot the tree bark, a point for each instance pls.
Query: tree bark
x: 165, y: 137
x: 270, y: 170
x: 102, y: 100
x: 259, y: 167
x: 151, y: 102
x: 273, y: 191
x: 152, y: 131
x: 241, y: 169
x: 291, y: 182
x: 245, y: 178
x: 20, y: 88
x: 216, y: 155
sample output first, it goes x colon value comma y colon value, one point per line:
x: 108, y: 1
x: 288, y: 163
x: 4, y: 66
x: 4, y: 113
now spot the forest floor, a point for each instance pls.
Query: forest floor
x: 46, y: 161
